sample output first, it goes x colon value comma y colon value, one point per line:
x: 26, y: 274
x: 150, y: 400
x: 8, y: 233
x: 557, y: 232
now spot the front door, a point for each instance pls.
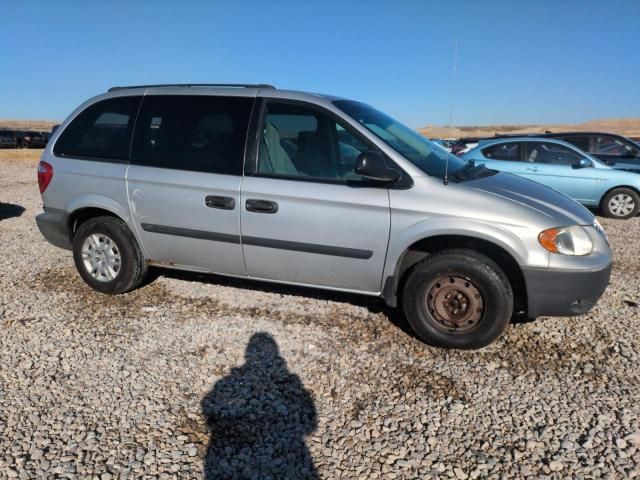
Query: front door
x: 184, y: 180
x: 306, y: 217
x: 554, y: 165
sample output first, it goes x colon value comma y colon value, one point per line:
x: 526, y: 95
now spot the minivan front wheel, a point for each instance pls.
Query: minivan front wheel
x: 458, y: 299
x: 107, y: 255
x: 621, y: 203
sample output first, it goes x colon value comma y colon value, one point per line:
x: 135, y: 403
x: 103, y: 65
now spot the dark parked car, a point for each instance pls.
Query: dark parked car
x: 8, y: 139
x: 613, y: 149
x: 31, y: 139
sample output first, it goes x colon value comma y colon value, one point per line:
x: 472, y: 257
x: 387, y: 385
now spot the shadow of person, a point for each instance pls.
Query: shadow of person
x: 10, y: 210
x: 258, y: 417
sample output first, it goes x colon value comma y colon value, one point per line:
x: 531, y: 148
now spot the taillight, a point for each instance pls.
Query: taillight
x: 45, y: 174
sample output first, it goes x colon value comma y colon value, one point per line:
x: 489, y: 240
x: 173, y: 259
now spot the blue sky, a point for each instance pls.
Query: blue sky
x: 518, y: 61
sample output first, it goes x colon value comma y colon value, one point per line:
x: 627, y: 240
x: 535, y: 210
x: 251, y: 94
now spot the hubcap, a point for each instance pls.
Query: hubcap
x: 455, y: 302
x: 621, y: 205
x: 101, y: 257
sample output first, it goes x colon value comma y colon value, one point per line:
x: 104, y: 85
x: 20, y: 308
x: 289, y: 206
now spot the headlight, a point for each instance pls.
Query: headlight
x: 598, y: 227
x: 566, y: 240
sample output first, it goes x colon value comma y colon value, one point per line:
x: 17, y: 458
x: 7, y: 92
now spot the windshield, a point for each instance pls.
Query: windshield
x: 427, y: 156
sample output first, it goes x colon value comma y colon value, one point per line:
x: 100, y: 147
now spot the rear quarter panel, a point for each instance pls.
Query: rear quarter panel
x: 78, y: 184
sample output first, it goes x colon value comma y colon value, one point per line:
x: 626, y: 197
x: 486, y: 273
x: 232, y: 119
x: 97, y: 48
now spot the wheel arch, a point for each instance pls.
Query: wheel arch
x: 609, y: 190
x: 88, y: 206
x: 420, y: 249
x: 81, y: 215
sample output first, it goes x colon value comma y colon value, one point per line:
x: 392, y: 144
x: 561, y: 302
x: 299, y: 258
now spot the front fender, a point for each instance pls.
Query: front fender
x: 514, y: 244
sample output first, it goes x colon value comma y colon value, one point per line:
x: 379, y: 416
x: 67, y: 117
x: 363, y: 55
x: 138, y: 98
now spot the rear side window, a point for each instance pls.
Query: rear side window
x: 504, y: 151
x: 196, y: 133
x: 102, y: 131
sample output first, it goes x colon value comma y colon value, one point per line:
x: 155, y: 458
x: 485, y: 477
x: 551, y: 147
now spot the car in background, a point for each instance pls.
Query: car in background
x: 615, y: 150
x: 8, y: 139
x: 611, y: 148
x: 463, y: 145
x: 31, y: 139
x: 444, y: 144
x: 564, y: 167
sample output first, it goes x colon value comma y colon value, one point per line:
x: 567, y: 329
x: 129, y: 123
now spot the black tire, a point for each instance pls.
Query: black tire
x: 476, y: 274
x: 132, y: 267
x: 609, y: 209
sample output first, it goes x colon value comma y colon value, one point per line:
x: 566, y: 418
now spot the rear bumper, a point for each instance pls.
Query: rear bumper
x: 564, y: 293
x: 54, y: 227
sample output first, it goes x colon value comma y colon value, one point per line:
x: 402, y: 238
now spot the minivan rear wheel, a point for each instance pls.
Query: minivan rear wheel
x: 107, y: 255
x: 457, y: 299
x: 621, y: 203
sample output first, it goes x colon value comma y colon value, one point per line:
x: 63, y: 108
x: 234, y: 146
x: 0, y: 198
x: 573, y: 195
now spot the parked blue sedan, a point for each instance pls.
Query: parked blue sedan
x: 565, y: 168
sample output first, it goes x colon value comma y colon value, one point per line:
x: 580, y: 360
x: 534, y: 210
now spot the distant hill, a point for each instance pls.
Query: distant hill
x: 37, y: 125
x: 629, y: 127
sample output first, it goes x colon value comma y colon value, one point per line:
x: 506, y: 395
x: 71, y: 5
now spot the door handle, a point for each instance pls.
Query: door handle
x: 223, y: 203
x: 532, y: 169
x: 261, y: 206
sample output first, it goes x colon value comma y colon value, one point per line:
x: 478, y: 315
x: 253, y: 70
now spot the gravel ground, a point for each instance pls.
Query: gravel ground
x: 196, y: 376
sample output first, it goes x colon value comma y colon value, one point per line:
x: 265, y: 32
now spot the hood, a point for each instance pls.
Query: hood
x: 627, y: 165
x: 556, y: 208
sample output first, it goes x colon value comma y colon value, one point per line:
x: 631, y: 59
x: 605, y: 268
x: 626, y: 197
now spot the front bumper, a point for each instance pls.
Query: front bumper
x: 53, y: 225
x: 563, y: 292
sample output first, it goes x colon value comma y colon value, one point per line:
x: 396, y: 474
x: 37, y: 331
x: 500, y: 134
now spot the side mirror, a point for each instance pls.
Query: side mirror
x: 372, y: 165
x: 583, y: 163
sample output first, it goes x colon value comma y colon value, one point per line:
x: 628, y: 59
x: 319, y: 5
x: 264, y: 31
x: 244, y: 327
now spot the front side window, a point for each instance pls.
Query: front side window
x: 424, y: 154
x: 102, y: 131
x: 551, y: 153
x: 195, y: 133
x: 298, y: 141
x: 608, y: 145
x: 504, y: 151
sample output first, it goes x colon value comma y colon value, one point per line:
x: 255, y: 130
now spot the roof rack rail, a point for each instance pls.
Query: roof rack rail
x: 230, y: 85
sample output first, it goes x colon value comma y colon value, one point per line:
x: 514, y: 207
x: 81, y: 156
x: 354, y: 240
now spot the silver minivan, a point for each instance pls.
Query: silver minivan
x: 305, y: 189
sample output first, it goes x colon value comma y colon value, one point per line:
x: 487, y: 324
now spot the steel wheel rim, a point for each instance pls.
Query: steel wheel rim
x: 101, y: 257
x: 621, y: 204
x: 455, y: 303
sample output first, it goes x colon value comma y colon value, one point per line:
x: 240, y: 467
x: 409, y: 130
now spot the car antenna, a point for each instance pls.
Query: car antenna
x: 445, y: 180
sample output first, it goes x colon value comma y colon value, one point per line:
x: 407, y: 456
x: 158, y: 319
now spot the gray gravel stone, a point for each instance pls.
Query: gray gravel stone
x: 163, y: 382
